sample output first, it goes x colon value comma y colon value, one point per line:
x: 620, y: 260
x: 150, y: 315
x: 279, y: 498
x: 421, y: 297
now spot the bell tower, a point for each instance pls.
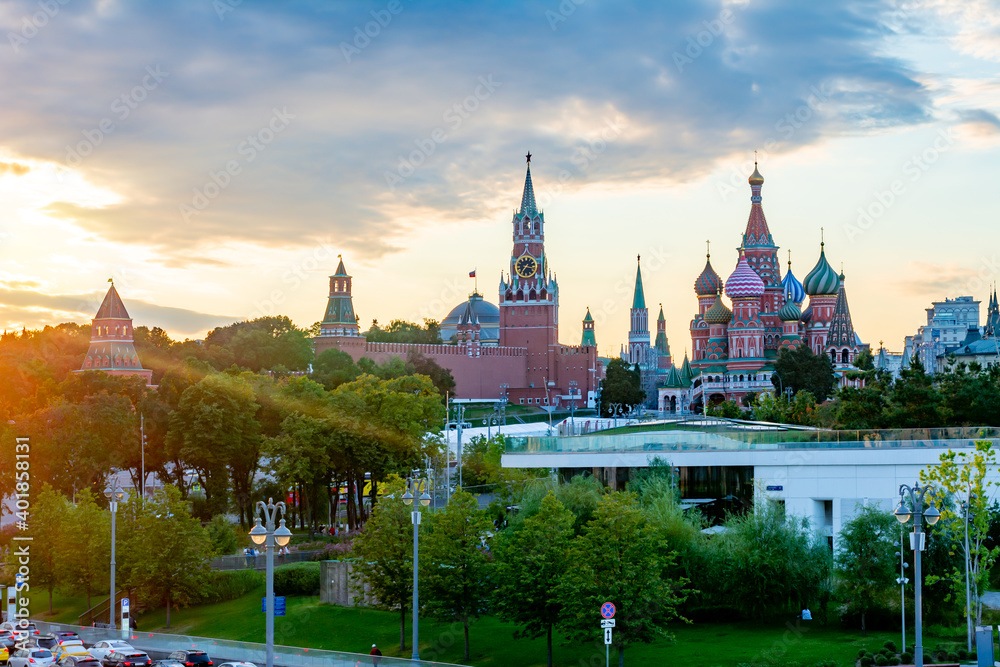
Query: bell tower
x: 529, y: 294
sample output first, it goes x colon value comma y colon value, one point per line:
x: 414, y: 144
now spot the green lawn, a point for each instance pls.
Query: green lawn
x: 310, y: 624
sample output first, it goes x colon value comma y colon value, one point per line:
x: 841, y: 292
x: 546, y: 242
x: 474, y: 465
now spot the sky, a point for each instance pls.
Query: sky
x: 215, y: 156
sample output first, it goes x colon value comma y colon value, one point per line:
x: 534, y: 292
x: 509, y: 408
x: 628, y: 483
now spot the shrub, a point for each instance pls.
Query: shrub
x: 952, y: 656
x: 223, y: 535
x: 886, y: 652
x: 826, y: 663
x: 223, y: 586
x: 867, y: 661
x: 891, y: 645
x: 894, y: 660
x: 881, y: 660
x: 334, y: 551
x: 297, y: 579
x: 906, y: 658
x: 862, y: 653
x: 963, y: 654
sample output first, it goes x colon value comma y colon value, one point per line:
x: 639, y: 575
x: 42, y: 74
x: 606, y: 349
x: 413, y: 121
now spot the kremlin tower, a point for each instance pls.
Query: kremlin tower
x: 112, y: 346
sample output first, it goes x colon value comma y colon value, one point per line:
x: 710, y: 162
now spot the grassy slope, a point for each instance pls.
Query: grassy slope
x: 311, y: 624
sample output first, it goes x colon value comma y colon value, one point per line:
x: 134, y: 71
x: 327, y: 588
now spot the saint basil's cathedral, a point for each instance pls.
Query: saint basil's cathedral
x: 733, y: 350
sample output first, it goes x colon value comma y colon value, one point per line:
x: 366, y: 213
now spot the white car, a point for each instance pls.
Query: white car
x: 38, y: 657
x: 101, y: 649
x: 237, y: 664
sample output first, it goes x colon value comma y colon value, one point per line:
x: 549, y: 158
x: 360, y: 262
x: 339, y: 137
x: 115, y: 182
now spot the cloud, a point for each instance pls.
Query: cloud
x: 980, y: 122
x: 933, y: 278
x: 784, y: 70
x: 32, y: 308
x: 13, y: 168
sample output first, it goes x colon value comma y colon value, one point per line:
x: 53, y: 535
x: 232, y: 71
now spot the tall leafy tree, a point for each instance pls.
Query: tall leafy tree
x: 383, y: 557
x: 621, y: 385
x: 866, y: 561
x: 531, y: 562
x: 618, y: 559
x: 962, y: 485
x: 170, y: 551
x: 219, y: 436
x: 801, y: 369
x: 915, y: 402
x: 85, y: 567
x: 48, y: 520
x: 454, y: 565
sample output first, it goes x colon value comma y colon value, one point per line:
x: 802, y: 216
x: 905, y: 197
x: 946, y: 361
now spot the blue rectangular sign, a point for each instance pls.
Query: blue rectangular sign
x: 775, y: 488
x: 279, y: 605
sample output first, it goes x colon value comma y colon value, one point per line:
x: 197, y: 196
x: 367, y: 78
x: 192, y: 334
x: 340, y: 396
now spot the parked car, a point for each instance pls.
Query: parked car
x: 237, y: 664
x: 4, y: 654
x: 16, y: 626
x: 48, y: 641
x: 191, y: 658
x: 120, y: 658
x: 79, y: 661
x: 166, y: 662
x: 64, y: 648
x: 37, y: 657
x: 68, y: 636
x: 103, y: 647
x: 7, y: 638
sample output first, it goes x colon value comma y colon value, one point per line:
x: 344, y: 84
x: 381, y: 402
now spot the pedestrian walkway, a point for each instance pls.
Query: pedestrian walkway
x: 223, y: 650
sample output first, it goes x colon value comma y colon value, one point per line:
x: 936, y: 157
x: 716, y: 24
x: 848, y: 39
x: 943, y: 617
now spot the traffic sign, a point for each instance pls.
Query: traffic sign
x: 608, y: 610
x: 607, y: 622
x: 125, y: 603
x: 279, y: 605
x: 607, y: 635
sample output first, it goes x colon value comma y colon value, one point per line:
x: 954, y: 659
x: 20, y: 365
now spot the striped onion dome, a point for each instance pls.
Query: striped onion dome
x: 744, y: 281
x: 708, y: 283
x: 718, y: 313
x: 822, y: 280
x: 792, y: 288
x: 790, y: 312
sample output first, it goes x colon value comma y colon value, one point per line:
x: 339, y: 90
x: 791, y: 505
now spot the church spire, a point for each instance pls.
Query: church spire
x: 528, y: 206
x: 638, y: 298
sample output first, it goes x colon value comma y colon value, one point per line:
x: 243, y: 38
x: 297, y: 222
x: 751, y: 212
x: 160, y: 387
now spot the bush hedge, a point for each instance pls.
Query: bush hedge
x: 229, y: 585
x: 297, y: 579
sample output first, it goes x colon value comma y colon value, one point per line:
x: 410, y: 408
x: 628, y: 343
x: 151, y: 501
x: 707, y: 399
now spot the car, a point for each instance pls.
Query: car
x: 16, y: 628
x: 103, y: 647
x: 7, y: 638
x: 238, y: 664
x: 47, y: 640
x: 120, y: 658
x: 166, y: 662
x: 4, y: 654
x: 191, y: 658
x: 67, y: 636
x: 69, y: 648
x: 79, y: 661
x: 37, y: 657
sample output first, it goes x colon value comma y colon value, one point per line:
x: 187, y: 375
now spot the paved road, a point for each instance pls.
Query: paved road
x: 991, y: 600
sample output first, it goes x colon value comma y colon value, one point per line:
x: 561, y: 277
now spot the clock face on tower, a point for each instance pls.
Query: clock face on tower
x: 526, y: 266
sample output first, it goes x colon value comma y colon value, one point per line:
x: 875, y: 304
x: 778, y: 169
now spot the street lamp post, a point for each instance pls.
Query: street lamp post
x: 113, y: 495
x: 902, y: 581
x: 270, y: 539
x: 413, y: 485
x: 572, y: 406
x: 916, y: 495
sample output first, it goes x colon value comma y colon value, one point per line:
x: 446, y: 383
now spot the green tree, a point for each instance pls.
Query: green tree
x: 621, y: 385
x: 866, y: 561
x: 531, y: 561
x: 383, y: 557
x: 726, y: 409
x: 454, y: 565
x: 84, y: 567
x: 800, y: 369
x: 219, y: 435
x: 48, y: 520
x: 169, y: 551
x: 400, y: 331
x: 915, y: 402
x: 765, y: 563
x: 333, y: 368
x: 619, y: 559
x: 961, y: 488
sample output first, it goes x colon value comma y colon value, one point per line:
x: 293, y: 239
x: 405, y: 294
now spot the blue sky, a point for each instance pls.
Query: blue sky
x: 215, y: 156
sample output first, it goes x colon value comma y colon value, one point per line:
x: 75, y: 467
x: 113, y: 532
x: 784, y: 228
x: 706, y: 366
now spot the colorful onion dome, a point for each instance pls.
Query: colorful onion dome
x: 792, y: 288
x: 708, y: 283
x: 755, y: 177
x: 744, y: 282
x: 790, y: 312
x: 822, y: 280
x: 718, y: 313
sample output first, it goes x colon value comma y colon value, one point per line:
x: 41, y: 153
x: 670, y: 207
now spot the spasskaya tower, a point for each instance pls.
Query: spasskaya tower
x: 529, y: 297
